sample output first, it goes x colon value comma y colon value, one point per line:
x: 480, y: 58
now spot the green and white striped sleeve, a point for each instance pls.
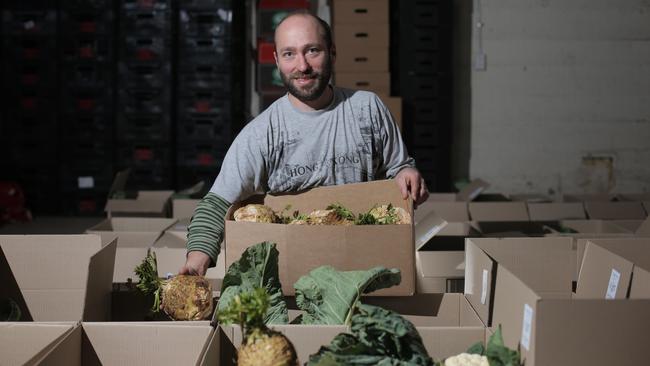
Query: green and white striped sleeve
x: 207, y: 226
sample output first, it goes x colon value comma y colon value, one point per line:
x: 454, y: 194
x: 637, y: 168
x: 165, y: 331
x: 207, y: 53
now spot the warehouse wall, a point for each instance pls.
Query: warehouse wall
x: 563, y: 104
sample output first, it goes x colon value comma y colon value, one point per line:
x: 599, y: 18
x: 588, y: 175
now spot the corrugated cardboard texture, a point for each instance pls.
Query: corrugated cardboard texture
x: 594, y: 197
x: 479, y: 272
x: 449, y: 211
x: 378, y: 82
x: 447, y: 264
x: 149, y: 344
x: 303, y: 248
x: 147, y: 204
x: 530, y: 198
x: 360, y: 12
x: 593, y: 227
x: 360, y: 36
x: 99, y: 284
x: 183, y: 208
x: 24, y: 343
x: 634, y: 250
x: 640, y: 288
x: 628, y: 225
x: 596, y: 272
x: 592, y: 332
x: 498, y: 211
x: 644, y: 228
x: 615, y: 210
x: 556, y: 211
x: 366, y: 60
x: 58, y: 289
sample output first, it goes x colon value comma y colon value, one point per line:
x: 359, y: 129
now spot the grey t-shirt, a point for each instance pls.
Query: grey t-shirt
x: 354, y: 139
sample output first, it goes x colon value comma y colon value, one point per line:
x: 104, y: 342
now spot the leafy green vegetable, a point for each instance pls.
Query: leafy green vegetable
x: 379, y: 337
x: 366, y: 219
x: 328, y: 296
x: 341, y: 211
x: 9, y: 310
x: 248, y: 309
x: 150, y: 283
x: 258, y: 267
x: 497, y: 352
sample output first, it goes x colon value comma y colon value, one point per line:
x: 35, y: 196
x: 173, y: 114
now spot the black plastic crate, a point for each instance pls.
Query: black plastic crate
x: 421, y: 86
x: 205, y: 22
x: 88, y: 178
x: 202, y: 50
x: 89, y: 22
x: 150, y: 178
x: 204, y: 75
x: 204, y: 154
x: 87, y: 101
x: 31, y: 151
x: 204, y: 101
x: 22, y: 102
x: 205, y: 127
x: 86, y: 5
x: 424, y: 63
x: 424, y: 111
x: 144, y: 153
x: 145, y: 74
x: 145, y: 49
x: 187, y: 176
x: 29, y: 127
x: 86, y: 75
x: 429, y: 134
x: 431, y: 158
x: 149, y: 100
x: 29, y: 49
x: 141, y: 126
x: 84, y: 203
x: 205, y: 4
x: 29, y: 22
x: 129, y: 5
x: 86, y: 127
x: 420, y: 38
x: 86, y: 48
x: 146, y: 22
x: 420, y: 13
x: 31, y: 75
x: 88, y: 149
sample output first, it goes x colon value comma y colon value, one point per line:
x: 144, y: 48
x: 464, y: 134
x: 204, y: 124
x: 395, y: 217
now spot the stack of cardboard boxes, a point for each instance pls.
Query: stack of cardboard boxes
x: 361, y: 35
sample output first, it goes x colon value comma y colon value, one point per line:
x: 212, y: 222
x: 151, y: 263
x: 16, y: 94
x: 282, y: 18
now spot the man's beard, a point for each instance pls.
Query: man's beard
x: 310, y: 92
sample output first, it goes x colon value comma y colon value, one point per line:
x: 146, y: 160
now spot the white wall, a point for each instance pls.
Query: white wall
x: 567, y: 82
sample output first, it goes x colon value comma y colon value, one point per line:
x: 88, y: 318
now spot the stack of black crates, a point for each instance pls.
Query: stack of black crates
x: 28, y: 128
x: 144, y: 98
x: 86, y: 60
x: 423, y: 60
x: 204, y: 105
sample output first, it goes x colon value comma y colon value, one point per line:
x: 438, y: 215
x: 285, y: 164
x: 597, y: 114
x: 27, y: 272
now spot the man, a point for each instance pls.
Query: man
x: 315, y: 135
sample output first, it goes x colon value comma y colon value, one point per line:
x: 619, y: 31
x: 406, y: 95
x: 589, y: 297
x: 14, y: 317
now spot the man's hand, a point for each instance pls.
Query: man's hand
x: 196, y: 264
x: 412, y: 184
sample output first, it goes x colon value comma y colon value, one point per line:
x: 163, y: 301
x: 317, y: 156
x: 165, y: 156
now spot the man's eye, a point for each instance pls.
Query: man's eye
x: 313, y: 50
x: 287, y: 54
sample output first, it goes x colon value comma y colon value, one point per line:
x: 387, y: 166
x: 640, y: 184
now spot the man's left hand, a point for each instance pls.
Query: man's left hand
x: 412, y: 184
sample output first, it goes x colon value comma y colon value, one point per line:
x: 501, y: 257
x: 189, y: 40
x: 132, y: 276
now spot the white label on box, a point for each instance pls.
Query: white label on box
x: 613, y: 284
x: 85, y: 182
x: 527, y: 326
x: 484, y: 288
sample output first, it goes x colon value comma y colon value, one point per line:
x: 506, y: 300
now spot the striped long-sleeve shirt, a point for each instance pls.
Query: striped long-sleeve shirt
x: 207, y: 226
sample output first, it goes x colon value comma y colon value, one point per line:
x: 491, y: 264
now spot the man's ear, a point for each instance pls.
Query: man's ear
x: 275, y: 56
x: 333, y: 53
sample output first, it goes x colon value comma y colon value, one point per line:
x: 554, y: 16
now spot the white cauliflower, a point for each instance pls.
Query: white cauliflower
x: 466, y: 359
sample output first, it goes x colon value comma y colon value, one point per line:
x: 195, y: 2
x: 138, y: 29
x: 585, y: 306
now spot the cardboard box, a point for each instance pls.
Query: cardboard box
x: 631, y: 248
x: 150, y: 343
x: 394, y: 105
x: 584, y: 228
x: 360, y: 12
x: 589, y: 197
x: 498, y: 211
x: 446, y: 323
x: 135, y: 236
x: 378, y: 82
x: 144, y: 204
x: 556, y: 211
x: 305, y: 247
x: 57, y: 277
x: 524, y: 285
x: 615, y: 210
x: 628, y: 225
x: 171, y: 250
x: 30, y: 343
x: 530, y: 198
x: 183, y: 208
x: 448, y: 211
x: 637, y: 197
x: 355, y: 36
x: 363, y: 60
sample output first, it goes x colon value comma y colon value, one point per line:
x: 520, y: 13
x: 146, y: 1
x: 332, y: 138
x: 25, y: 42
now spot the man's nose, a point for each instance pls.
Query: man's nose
x: 302, y: 65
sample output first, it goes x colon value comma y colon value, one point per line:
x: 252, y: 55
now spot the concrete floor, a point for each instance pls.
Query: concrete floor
x: 51, y: 225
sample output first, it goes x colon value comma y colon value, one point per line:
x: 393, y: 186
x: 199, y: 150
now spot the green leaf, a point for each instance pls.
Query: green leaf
x: 257, y: 267
x: 476, y: 349
x: 328, y: 296
x: 500, y: 355
x: 9, y: 310
x: 379, y: 337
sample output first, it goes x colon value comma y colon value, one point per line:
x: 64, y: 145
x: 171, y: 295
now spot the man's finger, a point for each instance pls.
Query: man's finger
x: 415, y: 189
x: 403, y: 188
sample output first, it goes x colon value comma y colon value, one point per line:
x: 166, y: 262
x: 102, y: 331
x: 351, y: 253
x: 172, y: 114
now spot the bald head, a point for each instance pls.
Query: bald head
x: 303, y: 18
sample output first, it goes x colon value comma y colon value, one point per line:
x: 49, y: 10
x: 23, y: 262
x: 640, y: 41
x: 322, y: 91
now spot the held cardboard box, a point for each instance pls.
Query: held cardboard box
x: 30, y: 343
x: 556, y: 211
x: 171, y: 249
x: 360, y: 12
x: 305, y: 247
x: 378, y: 82
x: 147, y: 343
x: 134, y: 236
x: 524, y: 285
x: 446, y: 323
x: 57, y: 277
x: 615, y: 210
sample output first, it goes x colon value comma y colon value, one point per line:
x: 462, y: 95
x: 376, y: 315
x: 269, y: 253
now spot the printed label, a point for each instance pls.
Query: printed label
x: 484, y: 287
x: 526, y: 327
x: 613, y: 284
x: 85, y: 182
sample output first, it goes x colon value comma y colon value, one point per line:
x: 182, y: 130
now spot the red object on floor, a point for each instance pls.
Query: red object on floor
x: 12, y: 203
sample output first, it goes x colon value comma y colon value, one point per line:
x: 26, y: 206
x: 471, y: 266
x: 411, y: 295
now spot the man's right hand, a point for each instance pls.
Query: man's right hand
x: 196, y: 264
